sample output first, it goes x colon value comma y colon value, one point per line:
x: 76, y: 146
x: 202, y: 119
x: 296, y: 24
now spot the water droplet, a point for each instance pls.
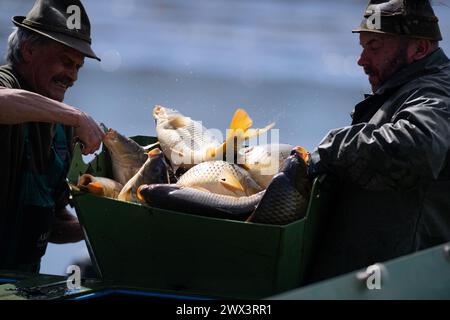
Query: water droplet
x: 111, y: 60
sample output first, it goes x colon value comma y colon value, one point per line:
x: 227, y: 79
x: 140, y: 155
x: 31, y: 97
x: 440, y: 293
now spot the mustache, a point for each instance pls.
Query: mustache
x: 369, y: 71
x: 64, y: 80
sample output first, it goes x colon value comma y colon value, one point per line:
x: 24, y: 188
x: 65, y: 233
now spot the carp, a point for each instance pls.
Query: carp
x: 154, y: 170
x: 198, y: 202
x: 99, y: 186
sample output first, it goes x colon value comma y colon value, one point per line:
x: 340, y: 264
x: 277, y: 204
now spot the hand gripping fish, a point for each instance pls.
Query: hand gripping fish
x: 286, y: 199
x: 127, y: 156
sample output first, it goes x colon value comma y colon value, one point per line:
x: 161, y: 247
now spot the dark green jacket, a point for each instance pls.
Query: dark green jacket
x: 12, y: 162
x: 392, y: 171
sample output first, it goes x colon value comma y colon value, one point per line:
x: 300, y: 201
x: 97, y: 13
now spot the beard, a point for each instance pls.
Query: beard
x: 390, y: 67
x: 400, y: 61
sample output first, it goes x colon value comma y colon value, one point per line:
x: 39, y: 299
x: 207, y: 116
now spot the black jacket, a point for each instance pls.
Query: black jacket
x: 392, y: 172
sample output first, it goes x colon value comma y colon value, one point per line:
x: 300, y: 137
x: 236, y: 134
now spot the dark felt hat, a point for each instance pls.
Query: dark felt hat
x: 65, y: 21
x: 411, y: 18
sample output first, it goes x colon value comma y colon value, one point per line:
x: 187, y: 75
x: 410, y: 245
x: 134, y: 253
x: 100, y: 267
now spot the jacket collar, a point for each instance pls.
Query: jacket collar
x: 428, y: 65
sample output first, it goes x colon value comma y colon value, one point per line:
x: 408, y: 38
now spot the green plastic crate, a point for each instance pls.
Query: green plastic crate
x: 136, y: 245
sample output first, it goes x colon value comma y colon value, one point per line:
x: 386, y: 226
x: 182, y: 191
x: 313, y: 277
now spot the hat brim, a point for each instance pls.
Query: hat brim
x: 77, y: 44
x: 359, y: 30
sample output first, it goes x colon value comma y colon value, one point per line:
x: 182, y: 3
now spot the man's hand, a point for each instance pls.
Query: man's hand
x: 20, y: 106
x: 66, y: 228
x: 89, y: 133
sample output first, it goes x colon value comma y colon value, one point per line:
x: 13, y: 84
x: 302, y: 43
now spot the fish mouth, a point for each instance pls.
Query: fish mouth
x: 160, y: 113
x: 157, y: 111
x: 96, y: 188
x: 84, y: 180
x: 87, y: 183
x: 301, y: 153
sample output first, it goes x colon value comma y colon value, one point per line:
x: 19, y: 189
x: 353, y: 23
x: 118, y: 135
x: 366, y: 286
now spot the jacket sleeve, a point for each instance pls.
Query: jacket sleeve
x: 414, y: 146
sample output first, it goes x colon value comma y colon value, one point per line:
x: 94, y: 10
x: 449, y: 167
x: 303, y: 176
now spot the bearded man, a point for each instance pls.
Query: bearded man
x: 391, y: 165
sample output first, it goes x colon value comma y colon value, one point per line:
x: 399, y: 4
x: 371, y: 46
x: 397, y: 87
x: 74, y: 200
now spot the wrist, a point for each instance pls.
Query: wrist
x: 78, y: 116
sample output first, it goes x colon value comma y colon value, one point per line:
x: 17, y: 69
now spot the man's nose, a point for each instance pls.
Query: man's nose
x: 363, y: 61
x: 72, y: 73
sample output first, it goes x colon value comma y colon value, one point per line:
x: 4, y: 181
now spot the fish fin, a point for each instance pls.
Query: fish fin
x: 154, y: 152
x: 178, y: 122
x: 241, y: 120
x: 244, y: 166
x: 139, y: 196
x: 210, y: 154
x: 251, y: 217
x: 95, y: 188
x: 229, y: 182
x: 234, y: 140
x: 104, y: 127
x: 180, y: 153
x: 125, y: 195
x: 256, y: 132
x: 176, y: 153
x: 213, y: 152
x: 150, y: 146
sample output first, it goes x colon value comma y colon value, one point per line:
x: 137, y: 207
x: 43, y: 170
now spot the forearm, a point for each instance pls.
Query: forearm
x: 360, y: 155
x: 392, y: 156
x: 19, y: 106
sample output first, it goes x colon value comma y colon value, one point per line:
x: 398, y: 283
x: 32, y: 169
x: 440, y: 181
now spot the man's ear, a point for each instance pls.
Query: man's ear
x: 27, y: 50
x: 420, y: 49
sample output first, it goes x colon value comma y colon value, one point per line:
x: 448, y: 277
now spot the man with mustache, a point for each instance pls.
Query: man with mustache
x: 391, y: 166
x: 37, y: 130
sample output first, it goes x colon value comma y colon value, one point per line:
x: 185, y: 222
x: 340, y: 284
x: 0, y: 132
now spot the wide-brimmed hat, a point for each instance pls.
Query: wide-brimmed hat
x: 57, y: 20
x: 411, y: 18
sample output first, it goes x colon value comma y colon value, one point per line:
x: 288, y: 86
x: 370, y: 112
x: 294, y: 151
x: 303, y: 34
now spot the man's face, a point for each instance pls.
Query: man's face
x: 382, y: 56
x: 53, y: 68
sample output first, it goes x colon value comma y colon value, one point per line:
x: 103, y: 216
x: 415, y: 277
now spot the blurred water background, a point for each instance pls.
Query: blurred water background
x: 292, y: 62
